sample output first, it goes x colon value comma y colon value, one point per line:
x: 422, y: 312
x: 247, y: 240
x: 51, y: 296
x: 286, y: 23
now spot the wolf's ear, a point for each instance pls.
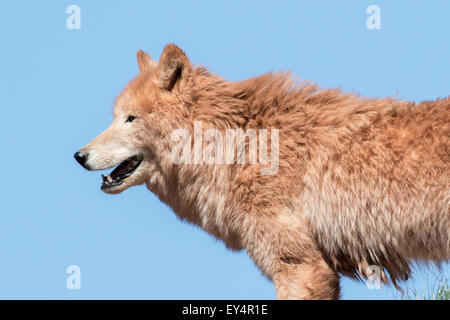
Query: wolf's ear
x: 144, y: 61
x: 173, y: 68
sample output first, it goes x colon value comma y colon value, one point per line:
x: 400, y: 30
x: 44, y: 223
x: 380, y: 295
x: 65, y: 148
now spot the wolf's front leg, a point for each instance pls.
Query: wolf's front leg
x: 314, y: 280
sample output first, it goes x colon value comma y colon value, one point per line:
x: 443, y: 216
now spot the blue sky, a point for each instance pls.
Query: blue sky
x: 58, y: 87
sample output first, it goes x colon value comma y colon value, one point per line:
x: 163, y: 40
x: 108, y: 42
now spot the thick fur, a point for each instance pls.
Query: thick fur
x: 360, y: 181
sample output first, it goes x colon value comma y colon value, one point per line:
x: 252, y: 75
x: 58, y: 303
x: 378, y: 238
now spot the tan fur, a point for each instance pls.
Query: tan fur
x: 360, y: 181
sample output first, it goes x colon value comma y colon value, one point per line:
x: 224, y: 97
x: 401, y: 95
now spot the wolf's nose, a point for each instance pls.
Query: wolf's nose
x: 81, y: 158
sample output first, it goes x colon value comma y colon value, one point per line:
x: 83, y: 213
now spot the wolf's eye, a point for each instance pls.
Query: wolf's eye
x: 130, y: 118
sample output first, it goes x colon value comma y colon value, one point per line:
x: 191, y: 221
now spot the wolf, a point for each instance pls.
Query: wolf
x: 361, y: 183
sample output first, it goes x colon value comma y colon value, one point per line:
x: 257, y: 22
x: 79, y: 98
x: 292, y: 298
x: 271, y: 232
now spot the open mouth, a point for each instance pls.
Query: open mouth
x: 121, y: 172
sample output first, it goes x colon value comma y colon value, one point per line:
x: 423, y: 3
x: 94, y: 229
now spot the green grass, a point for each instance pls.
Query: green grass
x: 438, y: 289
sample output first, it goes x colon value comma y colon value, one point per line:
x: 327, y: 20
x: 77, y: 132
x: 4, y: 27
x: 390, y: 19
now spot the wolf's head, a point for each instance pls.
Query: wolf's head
x: 154, y: 104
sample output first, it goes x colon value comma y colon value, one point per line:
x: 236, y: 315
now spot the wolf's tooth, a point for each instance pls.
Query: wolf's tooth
x: 109, y: 179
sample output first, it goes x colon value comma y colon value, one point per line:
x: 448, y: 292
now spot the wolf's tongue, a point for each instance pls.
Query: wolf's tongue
x: 123, y: 168
x: 120, y: 170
